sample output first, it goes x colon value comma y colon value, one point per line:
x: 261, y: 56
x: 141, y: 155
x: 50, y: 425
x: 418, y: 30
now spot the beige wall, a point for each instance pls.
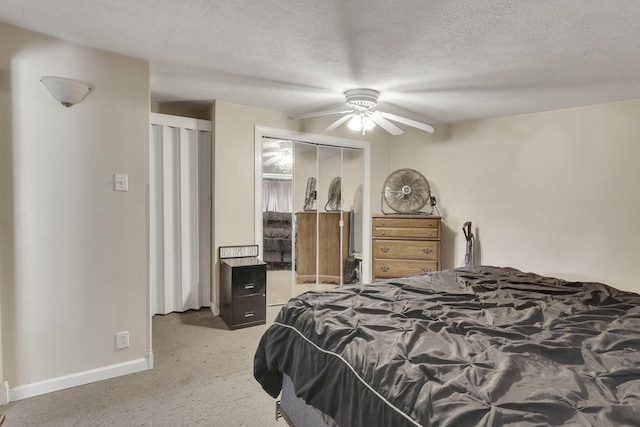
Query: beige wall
x: 555, y: 193
x: 73, y: 251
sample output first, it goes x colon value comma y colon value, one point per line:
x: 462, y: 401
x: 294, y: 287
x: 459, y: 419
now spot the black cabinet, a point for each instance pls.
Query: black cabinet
x: 243, y: 292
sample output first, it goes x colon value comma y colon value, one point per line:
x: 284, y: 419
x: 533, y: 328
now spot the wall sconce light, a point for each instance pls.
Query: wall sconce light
x: 66, y: 91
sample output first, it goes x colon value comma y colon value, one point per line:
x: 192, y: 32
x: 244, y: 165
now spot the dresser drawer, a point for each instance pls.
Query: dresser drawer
x: 249, y: 309
x: 248, y: 281
x: 405, y: 222
x: 408, y: 249
x: 407, y: 233
x: 383, y: 268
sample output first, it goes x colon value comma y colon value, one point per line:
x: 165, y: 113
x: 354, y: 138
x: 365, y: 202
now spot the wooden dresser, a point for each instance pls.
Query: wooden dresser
x: 328, y: 246
x: 405, y: 244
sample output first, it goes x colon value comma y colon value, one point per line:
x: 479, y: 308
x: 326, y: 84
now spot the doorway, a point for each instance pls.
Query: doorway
x: 312, y: 211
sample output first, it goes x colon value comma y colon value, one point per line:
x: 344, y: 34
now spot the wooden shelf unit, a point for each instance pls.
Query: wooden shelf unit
x: 328, y: 246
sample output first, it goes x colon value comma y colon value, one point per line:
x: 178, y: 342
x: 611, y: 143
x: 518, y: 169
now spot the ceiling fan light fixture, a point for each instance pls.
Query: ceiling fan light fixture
x: 286, y: 160
x: 367, y: 123
x: 360, y: 122
x: 364, y: 98
x: 355, y: 124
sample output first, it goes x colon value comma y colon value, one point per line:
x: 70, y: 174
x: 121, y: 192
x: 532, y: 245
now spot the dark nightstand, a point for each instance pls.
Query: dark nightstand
x: 243, y: 292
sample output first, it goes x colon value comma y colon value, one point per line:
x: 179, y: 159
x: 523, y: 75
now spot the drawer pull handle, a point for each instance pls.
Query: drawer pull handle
x: 382, y: 233
x: 249, y: 286
x: 249, y: 314
x: 426, y: 270
x: 384, y: 268
x: 427, y: 250
x: 385, y: 249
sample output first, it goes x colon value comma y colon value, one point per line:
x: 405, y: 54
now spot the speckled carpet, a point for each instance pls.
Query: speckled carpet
x: 202, y: 376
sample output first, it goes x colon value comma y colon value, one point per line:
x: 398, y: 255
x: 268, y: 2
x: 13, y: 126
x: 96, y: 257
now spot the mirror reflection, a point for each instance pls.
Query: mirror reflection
x: 277, y: 217
x: 322, y: 234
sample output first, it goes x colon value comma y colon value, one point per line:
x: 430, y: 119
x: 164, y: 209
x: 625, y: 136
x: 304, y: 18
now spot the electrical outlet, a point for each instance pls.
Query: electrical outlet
x: 122, y: 340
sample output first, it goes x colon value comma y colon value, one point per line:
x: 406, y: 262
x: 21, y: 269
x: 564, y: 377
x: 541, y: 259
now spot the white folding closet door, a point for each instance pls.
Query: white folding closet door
x: 180, y: 214
x: 204, y: 214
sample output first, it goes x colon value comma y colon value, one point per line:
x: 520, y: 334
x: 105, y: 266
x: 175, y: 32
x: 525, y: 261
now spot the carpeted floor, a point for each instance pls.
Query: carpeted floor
x: 202, y: 377
x: 279, y: 286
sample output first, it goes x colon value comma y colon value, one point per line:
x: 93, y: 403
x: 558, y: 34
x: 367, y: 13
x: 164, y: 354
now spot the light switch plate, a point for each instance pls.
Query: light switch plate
x: 121, y: 182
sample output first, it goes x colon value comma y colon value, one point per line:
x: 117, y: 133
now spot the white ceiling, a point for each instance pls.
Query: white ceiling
x: 432, y: 60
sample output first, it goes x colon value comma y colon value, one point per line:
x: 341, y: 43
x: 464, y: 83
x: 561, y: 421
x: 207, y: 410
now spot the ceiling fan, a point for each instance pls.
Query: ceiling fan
x: 277, y: 154
x: 361, y: 116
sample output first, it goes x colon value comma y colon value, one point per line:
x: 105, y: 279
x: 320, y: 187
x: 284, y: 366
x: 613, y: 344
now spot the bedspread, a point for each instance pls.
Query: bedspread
x: 482, y: 346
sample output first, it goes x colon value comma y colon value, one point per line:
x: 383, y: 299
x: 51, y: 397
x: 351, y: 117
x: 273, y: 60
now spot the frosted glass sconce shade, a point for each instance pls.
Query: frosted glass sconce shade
x: 67, y: 91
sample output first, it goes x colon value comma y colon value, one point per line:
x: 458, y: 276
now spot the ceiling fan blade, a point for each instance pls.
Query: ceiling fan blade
x: 338, y: 122
x: 385, y: 124
x: 269, y: 162
x: 275, y: 143
x: 317, y: 114
x: 423, y: 126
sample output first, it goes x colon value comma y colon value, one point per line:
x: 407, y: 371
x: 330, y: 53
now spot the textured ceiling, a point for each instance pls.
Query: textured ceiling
x: 432, y: 60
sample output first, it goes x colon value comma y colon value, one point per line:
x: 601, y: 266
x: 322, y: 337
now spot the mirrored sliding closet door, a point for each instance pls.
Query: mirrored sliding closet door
x: 312, y: 216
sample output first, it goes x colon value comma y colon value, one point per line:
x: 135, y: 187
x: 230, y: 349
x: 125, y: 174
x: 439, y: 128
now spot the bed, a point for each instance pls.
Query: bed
x: 480, y: 346
x: 276, y: 231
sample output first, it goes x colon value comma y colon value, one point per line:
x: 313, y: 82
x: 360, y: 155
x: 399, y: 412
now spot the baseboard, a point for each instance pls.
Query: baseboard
x: 4, y: 393
x: 150, y: 359
x: 215, y: 310
x: 80, y: 378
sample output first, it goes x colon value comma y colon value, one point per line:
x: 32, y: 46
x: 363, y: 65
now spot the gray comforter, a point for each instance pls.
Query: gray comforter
x: 481, y: 346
